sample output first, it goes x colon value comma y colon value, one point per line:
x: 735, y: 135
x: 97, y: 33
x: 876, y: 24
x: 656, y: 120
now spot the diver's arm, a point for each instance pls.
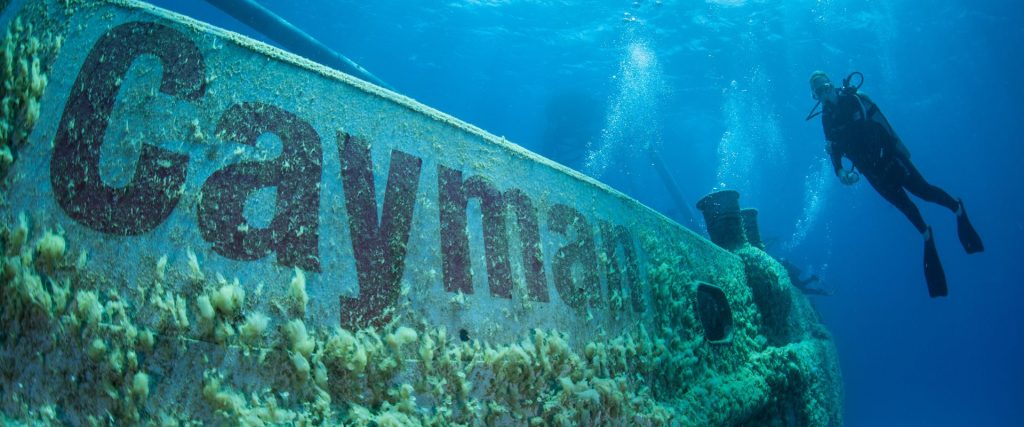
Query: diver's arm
x: 831, y: 136
x: 847, y: 177
x: 837, y: 157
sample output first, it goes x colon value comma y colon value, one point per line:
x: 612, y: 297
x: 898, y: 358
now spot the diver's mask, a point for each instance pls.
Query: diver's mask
x: 821, y: 86
x: 820, y: 91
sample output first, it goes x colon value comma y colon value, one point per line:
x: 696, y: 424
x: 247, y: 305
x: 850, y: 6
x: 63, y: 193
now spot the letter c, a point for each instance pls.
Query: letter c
x: 154, y: 190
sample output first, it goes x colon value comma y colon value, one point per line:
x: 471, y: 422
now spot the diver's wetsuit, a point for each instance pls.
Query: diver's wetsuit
x: 856, y: 128
x: 802, y: 284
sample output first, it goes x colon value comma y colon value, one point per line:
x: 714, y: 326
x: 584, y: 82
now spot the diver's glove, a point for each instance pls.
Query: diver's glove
x: 848, y: 177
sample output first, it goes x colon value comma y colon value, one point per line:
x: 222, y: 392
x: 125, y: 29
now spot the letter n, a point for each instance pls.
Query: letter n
x: 453, y: 200
x: 624, y: 271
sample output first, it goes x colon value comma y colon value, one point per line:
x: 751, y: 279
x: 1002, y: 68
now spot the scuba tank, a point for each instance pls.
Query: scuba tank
x: 847, y: 89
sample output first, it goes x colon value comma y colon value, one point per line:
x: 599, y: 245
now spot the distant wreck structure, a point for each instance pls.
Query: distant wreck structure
x: 200, y: 228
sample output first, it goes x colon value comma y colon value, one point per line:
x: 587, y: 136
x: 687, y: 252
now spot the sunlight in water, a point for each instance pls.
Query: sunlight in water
x: 816, y: 190
x: 752, y: 141
x: 631, y: 123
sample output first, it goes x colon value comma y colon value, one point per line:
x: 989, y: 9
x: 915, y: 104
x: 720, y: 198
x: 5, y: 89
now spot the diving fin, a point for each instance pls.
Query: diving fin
x: 933, y: 272
x: 969, y: 238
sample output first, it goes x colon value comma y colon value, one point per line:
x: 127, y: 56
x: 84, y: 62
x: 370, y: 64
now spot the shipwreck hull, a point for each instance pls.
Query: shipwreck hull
x: 200, y: 227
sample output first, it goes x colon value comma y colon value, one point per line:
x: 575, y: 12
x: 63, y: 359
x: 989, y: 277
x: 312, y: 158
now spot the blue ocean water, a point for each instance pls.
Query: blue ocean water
x: 717, y: 90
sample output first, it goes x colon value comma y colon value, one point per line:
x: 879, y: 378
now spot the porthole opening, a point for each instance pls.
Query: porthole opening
x: 714, y: 313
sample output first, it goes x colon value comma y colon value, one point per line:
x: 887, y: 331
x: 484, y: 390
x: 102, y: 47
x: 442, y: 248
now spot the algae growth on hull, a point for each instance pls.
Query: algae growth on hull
x: 162, y: 262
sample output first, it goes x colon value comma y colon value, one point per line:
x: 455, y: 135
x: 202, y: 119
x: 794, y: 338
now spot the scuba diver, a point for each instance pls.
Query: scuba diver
x: 856, y: 129
x: 803, y: 285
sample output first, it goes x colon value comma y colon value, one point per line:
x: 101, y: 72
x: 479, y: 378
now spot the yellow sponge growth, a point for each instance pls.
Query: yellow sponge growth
x: 254, y: 326
x: 51, y: 248
x: 228, y: 299
x: 297, y: 292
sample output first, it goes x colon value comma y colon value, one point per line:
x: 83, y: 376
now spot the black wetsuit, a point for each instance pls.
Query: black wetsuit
x: 856, y: 129
x: 802, y: 284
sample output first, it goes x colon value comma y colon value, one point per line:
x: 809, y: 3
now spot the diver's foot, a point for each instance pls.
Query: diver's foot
x: 933, y: 272
x: 969, y: 237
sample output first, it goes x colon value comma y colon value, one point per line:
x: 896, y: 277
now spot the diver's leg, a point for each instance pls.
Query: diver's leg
x: 915, y: 183
x: 817, y: 291
x: 893, y: 192
x: 890, y: 187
